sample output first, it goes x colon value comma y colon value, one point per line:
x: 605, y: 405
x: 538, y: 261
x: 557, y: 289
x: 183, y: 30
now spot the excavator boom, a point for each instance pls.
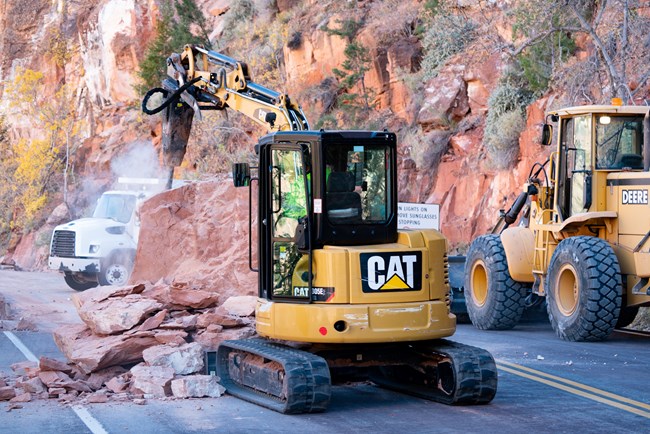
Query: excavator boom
x: 200, y: 79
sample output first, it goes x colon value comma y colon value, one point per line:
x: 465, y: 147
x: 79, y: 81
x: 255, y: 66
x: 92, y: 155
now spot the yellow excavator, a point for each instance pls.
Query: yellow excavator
x: 341, y: 290
x: 582, y: 241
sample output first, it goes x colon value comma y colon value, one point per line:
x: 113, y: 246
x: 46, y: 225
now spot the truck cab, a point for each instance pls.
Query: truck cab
x: 100, y: 250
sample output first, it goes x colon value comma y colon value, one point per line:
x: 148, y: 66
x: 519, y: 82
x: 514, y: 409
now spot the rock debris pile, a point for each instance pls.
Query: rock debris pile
x: 139, y: 341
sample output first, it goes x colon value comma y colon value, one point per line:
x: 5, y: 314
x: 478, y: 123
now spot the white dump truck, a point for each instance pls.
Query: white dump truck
x: 100, y: 250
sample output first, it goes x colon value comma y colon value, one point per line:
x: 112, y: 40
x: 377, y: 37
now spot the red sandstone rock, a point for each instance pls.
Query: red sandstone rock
x: 101, y: 293
x: 153, y: 322
x: 23, y: 397
x: 243, y: 305
x: 117, y: 384
x: 25, y: 368
x: 98, y: 379
x: 187, y: 322
x: 115, y: 315
x: 196, y: 249
x: 48, y: 364
x: 33, y: 385
x: 91, y: 352
x: 170, y: 337
x: 211, y: 340
x: 97, y: 398
x: 185, y: 359
x: 152, y: 380
x: 197, y: 386
x: 7, y: 393
x: 221, y: 317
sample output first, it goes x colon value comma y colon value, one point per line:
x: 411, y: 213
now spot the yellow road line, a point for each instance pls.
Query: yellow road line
x: 589, y: 392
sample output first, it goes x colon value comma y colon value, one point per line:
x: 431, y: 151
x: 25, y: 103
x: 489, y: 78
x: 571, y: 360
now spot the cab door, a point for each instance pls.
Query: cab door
x: 286, y: 210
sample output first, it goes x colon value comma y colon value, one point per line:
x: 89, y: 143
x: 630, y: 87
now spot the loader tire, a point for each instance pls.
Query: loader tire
x: 494, y: 300
x: 583, y: 289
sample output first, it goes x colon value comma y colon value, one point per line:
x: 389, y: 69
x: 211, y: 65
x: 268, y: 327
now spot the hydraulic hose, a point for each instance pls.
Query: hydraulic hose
x: 174, y: 96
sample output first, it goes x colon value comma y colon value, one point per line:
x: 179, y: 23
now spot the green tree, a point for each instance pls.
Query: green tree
x: 353, y: 72
x: 617, y: 30
x: 174, y: 30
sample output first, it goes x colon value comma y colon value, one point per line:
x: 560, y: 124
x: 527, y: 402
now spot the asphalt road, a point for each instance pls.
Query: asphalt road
x: 545, y: 385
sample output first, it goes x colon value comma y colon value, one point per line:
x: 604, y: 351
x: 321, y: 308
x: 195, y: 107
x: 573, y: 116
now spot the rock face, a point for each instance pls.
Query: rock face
x: 105, y: 43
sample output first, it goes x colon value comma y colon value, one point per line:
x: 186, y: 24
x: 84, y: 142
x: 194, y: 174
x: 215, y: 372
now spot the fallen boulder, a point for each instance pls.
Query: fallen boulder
x: 114, y: 315
x: 92, y: 352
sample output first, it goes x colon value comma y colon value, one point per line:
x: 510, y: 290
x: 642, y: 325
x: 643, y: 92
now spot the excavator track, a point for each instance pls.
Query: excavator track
x: 283, y: 379
x: 443, y: 371
x: 288, y: 380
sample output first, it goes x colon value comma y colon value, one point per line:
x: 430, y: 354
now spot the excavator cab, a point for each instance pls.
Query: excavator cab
x: 315, y: 189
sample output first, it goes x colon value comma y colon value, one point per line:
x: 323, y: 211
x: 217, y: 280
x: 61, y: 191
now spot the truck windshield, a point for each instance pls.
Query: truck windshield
x: 356, y: 183
x: 116, y: 207
x: 619, y: 142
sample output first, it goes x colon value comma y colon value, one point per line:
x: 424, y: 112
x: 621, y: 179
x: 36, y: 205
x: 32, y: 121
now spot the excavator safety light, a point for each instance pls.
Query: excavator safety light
x: 617, y: 101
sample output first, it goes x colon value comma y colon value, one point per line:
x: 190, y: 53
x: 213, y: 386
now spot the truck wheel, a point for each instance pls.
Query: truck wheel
x: 78, y: 282
x: 494, y: 300
x: 583, y: 289
x: 116, y: 270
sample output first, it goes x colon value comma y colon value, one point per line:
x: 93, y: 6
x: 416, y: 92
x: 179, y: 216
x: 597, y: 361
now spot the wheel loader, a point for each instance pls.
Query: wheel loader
x: 582, y: 240
x: 341, y: 290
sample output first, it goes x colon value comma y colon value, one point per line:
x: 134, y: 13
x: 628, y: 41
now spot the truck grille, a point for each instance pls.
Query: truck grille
x: 63, y: 244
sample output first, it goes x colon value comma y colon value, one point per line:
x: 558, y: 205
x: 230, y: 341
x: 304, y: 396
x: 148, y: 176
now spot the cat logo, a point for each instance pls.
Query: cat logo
x: 387, y: 272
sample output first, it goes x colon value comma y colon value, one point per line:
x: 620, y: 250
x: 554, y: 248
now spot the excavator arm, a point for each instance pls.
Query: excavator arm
x: 200, y: 79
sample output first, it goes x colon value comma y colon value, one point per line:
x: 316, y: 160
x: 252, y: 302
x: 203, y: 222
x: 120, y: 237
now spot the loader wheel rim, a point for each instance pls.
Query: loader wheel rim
x: 567, y: 290
x: 479, y: 283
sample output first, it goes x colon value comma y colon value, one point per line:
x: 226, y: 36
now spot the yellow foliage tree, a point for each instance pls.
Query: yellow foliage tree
x: 35, y: 161
x: 36, y: 164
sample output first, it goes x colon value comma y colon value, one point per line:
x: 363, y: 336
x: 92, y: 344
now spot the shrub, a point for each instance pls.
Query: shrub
x: 447, y: 34
x: 505, y: 120
x: 501, y: 138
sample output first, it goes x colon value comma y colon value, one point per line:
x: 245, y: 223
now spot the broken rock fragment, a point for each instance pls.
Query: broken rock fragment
x: 152, y: 380
x: 7, y: 393
x: 91, y: 352
x: 242, y: 305
x: 33, y: 385
x: 116, y: 315
x: 48, y: 364
x: 185, y: 359
x: 197, y: 386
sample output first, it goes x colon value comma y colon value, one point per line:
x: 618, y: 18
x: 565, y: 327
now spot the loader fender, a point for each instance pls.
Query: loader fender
x: 519, y: 244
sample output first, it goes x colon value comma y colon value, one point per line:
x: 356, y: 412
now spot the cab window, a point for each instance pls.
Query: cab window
x: 356, y: 184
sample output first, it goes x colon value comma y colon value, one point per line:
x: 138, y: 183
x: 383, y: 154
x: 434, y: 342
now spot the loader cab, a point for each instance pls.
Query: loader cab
x: 592, y: 142
x: 318, y: 189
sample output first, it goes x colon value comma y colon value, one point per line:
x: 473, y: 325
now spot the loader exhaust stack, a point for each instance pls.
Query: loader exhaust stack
x: 646, y: 142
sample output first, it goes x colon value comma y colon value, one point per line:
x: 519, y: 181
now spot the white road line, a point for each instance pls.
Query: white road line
x: 93, y: 424
x: 23, y: 349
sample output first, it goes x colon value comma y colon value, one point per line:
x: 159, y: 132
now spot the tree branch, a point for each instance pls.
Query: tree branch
x: 614, y: 76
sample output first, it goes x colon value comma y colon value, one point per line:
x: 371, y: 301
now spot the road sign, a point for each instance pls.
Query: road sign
x: 418, y: 216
